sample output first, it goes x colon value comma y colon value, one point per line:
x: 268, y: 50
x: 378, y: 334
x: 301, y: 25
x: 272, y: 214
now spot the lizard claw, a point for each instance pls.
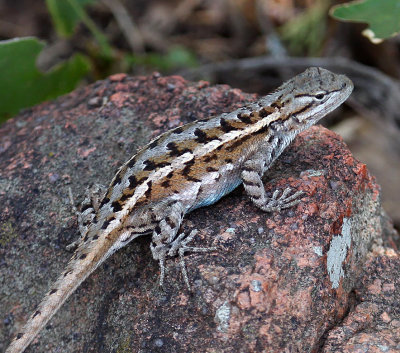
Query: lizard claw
x: 276, y: 203
x: 179, y: 247
x: 73, y: 246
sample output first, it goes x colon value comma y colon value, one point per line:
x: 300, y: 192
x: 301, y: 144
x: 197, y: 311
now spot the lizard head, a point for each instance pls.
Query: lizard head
x: 311, y: 95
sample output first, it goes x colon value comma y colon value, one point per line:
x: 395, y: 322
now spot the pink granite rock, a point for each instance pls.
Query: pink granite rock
x: 319, y: 277
x: 373, y: 322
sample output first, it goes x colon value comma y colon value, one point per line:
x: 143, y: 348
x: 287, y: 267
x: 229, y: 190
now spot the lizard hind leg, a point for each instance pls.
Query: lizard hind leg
x: 166, y: 242
x: 87, y: 210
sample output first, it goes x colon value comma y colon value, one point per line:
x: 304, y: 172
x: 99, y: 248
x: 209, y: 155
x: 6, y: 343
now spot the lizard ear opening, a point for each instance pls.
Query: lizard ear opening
x: 320, y: 96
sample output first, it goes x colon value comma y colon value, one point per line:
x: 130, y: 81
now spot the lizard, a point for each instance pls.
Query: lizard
x: 185, y: 168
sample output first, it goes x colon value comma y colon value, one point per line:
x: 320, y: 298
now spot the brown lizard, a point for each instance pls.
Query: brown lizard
x: 186, y: 168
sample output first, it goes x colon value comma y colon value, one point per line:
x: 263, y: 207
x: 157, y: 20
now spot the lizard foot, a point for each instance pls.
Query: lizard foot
x: 276, y: 203
x: 179, y: 247
x: 86, y: 212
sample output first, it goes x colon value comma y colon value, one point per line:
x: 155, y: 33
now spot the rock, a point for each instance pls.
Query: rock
x: 373, y: 323
x: 308, y: 279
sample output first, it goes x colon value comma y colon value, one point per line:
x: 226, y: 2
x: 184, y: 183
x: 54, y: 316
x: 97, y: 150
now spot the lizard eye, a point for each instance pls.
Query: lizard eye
x: 320, y: 96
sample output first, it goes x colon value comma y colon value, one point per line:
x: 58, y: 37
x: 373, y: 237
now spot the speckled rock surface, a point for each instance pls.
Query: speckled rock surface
x: 373, y: 323
x: 319, y: 277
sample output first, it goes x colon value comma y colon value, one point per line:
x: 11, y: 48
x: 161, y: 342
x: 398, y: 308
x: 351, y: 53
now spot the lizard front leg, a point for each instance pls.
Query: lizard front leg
x: 251, y: 175
x: 166, y: 242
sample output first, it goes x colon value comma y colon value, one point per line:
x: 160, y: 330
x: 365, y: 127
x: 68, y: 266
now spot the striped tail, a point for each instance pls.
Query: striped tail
x: 78, y: 269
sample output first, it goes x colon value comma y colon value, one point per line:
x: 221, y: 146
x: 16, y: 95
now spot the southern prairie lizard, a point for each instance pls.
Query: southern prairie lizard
x: 185, y: 168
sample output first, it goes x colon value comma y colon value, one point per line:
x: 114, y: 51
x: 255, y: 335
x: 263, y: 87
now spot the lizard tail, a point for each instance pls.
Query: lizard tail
x: 79, y: 268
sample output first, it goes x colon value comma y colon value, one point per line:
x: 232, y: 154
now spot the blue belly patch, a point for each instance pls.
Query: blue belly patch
x: 217, y: 195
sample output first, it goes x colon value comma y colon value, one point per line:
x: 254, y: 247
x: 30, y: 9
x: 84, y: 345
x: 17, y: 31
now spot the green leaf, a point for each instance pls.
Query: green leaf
x: 64, y: 15
x: 179, y: 56
x: 67, y: 13
x: 305, y: 33
x: 23, y: 85
x: 383, y: 17
x: 176, y: 57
